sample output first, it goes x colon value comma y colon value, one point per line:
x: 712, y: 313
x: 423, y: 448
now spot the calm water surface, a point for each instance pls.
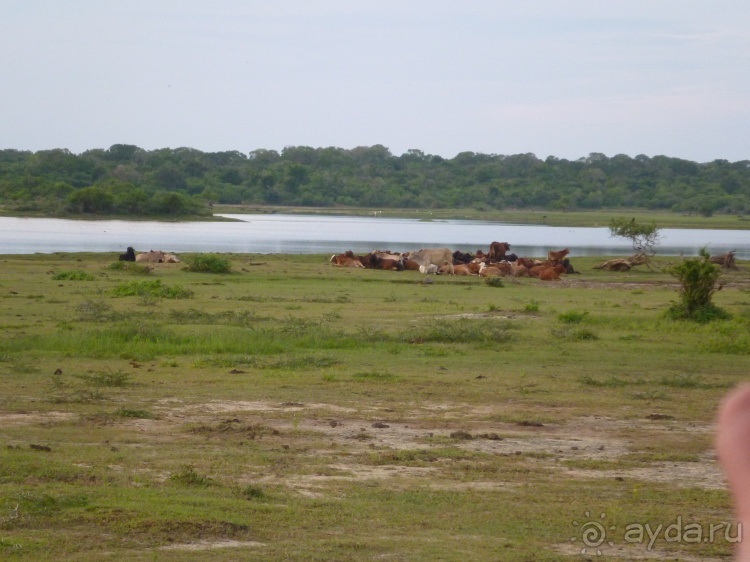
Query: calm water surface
x: 303, y: 234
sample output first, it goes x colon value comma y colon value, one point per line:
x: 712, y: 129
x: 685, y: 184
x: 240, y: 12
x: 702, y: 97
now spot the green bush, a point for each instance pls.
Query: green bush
x: 494, y: 281
x: 698, y: 282
x: 208, y: 263
x: 572, y: 317
x: 73, y: 276
x: 153, y: 288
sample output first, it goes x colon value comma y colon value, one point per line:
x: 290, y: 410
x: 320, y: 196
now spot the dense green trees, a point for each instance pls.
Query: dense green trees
x: 128, y: 180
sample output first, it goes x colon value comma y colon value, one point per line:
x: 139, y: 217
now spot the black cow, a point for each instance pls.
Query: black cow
x: 129, y: 255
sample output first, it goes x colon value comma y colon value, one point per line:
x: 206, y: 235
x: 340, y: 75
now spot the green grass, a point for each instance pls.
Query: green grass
x: 296, y: 411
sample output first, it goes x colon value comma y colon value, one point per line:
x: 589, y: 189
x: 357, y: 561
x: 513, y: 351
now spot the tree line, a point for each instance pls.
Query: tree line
x: 127, y: 180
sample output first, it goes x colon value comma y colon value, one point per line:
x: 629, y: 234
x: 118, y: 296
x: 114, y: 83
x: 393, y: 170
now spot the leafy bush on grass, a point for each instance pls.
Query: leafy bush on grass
x: 73, y: 276
x: 251, y: 492
x: 93, y: 311
x: 572, y: 317
x: 187, y: 476
x: 698, y: 282
x: 494, y: 281
x: 208, y: 263
x: 153, y: 288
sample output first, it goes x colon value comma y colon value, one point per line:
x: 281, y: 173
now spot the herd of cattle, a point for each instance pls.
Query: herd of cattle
x: 499, y: 261
x: 153, y: 256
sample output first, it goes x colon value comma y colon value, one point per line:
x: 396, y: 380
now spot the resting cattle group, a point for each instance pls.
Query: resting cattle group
x: 152, y: 256
x: 498, y: 261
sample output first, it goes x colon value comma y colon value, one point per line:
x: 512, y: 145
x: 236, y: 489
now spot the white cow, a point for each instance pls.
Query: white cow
x: 433, y: 256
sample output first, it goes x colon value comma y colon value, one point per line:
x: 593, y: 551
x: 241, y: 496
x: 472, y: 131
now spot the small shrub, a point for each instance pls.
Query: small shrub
x: 251, y: 492
x: 136, y: 414
x: 698, y: 282
x: 532, y: 306
x: 93, y: 311
x: 154, y: 288
x: 187, y: 476
x: 494, y: 281
x: 73, y: 276
x: 572, y: 317
x: 208, y: 263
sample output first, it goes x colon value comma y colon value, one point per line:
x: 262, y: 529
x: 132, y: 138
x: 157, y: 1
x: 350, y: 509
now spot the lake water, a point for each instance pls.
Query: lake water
x: 316, y: 234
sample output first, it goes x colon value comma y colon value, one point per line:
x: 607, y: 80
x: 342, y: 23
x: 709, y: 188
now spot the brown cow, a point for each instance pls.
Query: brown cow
x: 549, y: 274
x: 373, y: 261
x: 519, y: 270
x: 347, y: 259
x: 411, y: 265
x: 498, y: 250
x: 557, y: 256
x: 461, y: 269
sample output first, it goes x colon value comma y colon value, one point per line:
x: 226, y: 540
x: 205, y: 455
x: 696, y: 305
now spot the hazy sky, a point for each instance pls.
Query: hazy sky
x: 551, y: 77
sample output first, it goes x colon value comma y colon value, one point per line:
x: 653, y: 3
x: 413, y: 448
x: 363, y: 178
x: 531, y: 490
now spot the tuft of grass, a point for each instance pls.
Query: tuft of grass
x: 377, y: 376
x: 73, y: 276
x: 187, y: 476
x: 93, y: 311
x: 106, y: 377
x: 572, y: 317
x: 582, y: 334
x: 130, y: 267
x: 494, y: 281
x: 611, y: 382
x: 209, y: 263
x: 135, y: 414
x: 251, y: 492
x: 688, y: 380
x: 462, y: 331
x: 154, y: 288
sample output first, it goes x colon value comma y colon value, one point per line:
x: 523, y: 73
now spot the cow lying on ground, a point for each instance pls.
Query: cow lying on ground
x: 151, y: 257
x: 461, y: 269
x: 129, y: 255
x: 347, y: 259
x: 375, y: 261
x: 462, y: 257
x: 432, y: 256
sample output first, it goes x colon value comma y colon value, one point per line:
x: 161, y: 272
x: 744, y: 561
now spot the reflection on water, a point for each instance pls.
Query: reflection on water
x: 303, y: 234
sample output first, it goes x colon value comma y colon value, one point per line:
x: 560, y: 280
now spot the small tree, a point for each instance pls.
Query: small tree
x: 698, y: 282
x: 643, y: 236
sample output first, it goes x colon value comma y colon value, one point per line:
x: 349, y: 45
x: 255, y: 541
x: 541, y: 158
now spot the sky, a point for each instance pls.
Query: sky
x: 552, y: 78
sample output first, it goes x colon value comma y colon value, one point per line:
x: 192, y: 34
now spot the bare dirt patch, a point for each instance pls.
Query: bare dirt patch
x: 212, y: 545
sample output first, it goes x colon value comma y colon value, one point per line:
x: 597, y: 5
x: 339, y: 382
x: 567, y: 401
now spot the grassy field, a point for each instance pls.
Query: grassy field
x: 291, y: 410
